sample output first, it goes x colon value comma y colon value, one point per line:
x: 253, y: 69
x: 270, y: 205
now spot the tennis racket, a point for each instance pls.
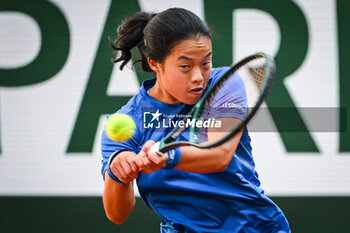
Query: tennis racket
x: 227, y: 106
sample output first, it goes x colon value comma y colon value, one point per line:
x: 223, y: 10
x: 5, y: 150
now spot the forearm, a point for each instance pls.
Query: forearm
x: 118, y: 200
x: 208, y: 160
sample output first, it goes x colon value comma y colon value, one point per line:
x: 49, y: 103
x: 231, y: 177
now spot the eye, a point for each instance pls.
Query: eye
x: 184, y: 66
x: 206, y: 63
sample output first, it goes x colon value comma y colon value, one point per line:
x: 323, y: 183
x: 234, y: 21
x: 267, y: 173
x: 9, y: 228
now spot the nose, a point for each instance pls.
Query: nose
x: 197, y: 76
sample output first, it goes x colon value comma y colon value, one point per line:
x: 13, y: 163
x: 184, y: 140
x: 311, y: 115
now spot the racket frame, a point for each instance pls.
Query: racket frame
x: 169, y: 143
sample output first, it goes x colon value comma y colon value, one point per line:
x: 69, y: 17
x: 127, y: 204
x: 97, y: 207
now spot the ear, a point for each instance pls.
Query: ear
x: 155, y: 66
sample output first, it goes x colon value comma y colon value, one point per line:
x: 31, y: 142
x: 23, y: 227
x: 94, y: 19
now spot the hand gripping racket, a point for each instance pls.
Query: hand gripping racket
x: 227, y: 106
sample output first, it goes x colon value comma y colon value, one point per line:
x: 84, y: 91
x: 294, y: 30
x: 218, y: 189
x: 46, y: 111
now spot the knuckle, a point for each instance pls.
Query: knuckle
x: 116, y: 160
x: 114, y: 170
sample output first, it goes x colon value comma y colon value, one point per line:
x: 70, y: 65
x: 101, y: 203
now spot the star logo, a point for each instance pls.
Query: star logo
x: 151, y: 119
x: 156, y: 115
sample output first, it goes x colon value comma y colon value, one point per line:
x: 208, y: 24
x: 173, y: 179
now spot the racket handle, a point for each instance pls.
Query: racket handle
x: 155, y: 149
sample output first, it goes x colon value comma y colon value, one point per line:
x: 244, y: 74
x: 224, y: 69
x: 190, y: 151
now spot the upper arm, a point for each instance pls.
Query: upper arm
x: 228, y: 148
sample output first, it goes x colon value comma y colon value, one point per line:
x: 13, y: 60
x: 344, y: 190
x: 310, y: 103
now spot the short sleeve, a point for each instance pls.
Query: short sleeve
x: 216, y: 74
x: 230, y: 100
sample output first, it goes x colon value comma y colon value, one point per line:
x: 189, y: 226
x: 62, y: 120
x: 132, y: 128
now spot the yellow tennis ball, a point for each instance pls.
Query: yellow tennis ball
x: 120, y: 127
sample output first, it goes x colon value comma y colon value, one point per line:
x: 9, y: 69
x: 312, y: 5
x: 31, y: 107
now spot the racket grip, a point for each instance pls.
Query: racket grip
x: 155, y: 149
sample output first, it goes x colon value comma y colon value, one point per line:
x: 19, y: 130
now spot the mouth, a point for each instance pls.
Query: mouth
x: 197, y: 90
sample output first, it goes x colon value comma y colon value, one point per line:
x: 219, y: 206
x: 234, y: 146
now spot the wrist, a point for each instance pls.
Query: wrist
x: 174, y: 156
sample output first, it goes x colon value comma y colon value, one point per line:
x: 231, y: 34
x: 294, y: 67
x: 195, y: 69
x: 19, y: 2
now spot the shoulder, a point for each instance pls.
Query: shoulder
x: 216, y: 73
x: 219, y: 71
x: 139, y: 101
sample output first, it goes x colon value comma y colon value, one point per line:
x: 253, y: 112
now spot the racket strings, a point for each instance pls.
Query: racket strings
x: 216, y: 103
x: 226, y: 102
x: 258, y: 74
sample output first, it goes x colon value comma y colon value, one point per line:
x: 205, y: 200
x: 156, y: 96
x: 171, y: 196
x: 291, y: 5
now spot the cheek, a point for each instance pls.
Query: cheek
x: 206, y: 76
x: 177, y: 84
x: 175, y: 80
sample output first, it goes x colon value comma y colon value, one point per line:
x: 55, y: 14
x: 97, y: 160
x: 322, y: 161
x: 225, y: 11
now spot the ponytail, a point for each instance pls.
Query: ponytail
x: 130, y: 35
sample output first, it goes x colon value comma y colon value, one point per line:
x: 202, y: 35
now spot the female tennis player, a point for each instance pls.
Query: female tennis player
x: 190, y: 189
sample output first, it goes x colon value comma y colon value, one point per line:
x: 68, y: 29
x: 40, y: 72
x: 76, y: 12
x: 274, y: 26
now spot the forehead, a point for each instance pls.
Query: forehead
x: 194, y: 48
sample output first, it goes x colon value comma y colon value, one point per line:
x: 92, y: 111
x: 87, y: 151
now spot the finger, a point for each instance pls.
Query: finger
x: 117, y: 169
x: 144, y: 168
x: 119, y: 173
x: 133, y: 164
x: 123, y: 169
x: 135, y: 169
x: 145, y: 162
x: 147, y: 146
x: 152, y: 167
x: 134, y: 173
x: 138, y: 160
x: 127, y: 167
x: 158, y: 157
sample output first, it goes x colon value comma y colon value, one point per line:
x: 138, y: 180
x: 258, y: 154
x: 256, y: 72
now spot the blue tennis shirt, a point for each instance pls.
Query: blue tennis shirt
x: 227, y: 201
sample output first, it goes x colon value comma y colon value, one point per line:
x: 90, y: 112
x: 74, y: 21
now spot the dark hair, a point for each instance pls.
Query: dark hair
x: 156, y: 34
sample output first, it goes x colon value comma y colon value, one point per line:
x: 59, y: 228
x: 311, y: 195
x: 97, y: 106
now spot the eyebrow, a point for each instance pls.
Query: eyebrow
x: 188, y: 58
